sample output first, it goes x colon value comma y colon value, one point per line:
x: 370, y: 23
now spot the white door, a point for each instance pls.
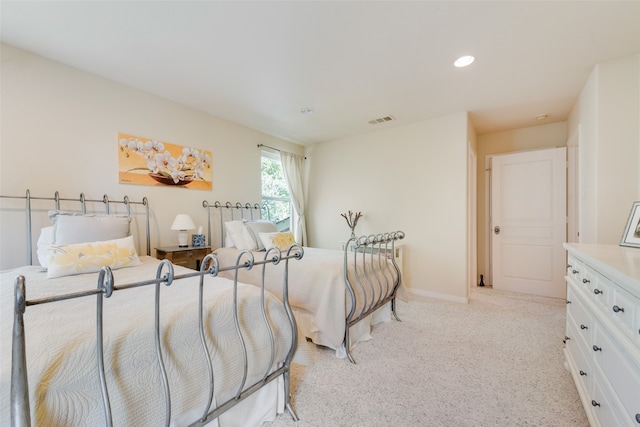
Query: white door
x: 528, y: 222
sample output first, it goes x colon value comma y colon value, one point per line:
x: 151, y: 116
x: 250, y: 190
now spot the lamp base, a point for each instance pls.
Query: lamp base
x: 183, y: 241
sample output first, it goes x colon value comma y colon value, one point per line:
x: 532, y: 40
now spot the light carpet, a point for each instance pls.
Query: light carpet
x: 496, y: 361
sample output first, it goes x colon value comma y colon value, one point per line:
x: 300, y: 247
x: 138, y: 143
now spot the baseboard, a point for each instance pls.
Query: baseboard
x: 437, y: 295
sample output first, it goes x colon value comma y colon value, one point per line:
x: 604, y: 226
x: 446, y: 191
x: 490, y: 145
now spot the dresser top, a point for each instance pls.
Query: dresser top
x: 619, y: 263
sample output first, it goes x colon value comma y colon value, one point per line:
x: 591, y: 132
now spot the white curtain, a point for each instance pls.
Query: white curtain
x: 293, y: 166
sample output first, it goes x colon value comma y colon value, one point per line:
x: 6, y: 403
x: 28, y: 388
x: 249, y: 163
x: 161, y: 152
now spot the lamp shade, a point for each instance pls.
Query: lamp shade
x: 183, y: 222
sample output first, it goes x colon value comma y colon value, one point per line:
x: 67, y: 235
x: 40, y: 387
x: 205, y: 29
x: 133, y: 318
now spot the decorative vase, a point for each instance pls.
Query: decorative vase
x: 169, y: 181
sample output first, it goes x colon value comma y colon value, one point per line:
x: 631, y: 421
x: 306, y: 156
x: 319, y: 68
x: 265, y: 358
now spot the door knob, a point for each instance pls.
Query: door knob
x: 496, y: 229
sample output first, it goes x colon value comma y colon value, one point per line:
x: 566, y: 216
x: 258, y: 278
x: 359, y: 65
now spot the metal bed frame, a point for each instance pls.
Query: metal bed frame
x: 106, y: 286
x: 366, y: 252
x: 83, y: 208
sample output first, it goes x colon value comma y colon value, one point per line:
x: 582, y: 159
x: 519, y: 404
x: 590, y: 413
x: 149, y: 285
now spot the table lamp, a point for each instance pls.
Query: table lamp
x: 182, y: 223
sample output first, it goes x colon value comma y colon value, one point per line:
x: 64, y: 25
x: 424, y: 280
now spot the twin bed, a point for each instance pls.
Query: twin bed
x: 104, y: 336
x: 141, y: 342
x: 336, y: 295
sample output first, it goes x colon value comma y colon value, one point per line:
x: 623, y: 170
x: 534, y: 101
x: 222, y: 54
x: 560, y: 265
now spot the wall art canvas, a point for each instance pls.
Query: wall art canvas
x: 147, y: 161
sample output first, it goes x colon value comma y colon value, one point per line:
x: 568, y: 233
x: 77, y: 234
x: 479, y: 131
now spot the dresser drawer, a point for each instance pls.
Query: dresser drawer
x: 606, y: 408
x: 575, y: 268
x: 601, y: 290
x: 577, y: 310
x: 580, y: 352
x: 622, y: 372
x: 625, y: 310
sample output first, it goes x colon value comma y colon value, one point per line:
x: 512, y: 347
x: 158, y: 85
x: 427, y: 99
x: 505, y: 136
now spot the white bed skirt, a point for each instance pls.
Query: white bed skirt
x: 261, y: 407
x: 359, y: 332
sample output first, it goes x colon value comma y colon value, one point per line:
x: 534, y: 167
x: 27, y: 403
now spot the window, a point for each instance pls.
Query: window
x: 276, y: 203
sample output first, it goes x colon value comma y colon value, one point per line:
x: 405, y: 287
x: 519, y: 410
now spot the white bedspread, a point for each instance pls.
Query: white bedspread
x: 61, y: 359
x: 318, y: 294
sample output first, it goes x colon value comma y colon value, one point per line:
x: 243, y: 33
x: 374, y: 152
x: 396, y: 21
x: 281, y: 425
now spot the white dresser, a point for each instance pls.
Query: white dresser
x: 603, y: 331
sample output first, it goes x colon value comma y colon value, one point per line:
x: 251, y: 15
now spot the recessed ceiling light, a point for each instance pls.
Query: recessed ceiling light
x: 463, y: 61
x: 307, y: 111
x: 540, y: 117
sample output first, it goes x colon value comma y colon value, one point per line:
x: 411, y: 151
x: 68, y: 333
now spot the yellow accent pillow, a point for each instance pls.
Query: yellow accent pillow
x: 80, y: 258
x: 280, y: 240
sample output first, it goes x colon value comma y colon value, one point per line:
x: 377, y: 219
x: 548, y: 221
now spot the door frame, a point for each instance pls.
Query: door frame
x: 488, y: 265
x: 472, y: 217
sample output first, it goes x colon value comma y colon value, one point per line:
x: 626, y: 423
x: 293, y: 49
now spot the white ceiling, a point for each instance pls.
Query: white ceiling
x: 259, y: 63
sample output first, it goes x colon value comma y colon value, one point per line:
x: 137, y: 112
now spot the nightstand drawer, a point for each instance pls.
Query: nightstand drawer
x: 184, y: 257
x: 189, y: 257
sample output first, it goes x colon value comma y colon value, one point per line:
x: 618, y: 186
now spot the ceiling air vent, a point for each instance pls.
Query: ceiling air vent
x: 381, y: 120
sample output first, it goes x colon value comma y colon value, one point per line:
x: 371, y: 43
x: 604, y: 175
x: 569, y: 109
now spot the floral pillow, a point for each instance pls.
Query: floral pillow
x: 280, y: 240
x: 80, y: 258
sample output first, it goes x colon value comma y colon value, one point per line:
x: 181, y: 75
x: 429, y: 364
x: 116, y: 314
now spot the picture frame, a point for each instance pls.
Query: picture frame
x: 631, y: 235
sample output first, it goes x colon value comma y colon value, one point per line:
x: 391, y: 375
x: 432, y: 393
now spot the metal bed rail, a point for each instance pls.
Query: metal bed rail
x: 371, y: 272
x: 106, y: 286
x: 82, y: 200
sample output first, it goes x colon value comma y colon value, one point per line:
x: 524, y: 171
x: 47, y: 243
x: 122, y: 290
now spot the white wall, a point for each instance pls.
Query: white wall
x: 59, y: 129
x: 608, y: 113
x: 411, y: 178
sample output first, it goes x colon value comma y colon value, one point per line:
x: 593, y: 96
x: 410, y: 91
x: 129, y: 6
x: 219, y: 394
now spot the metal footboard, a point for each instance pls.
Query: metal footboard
x: 372, y: 277
x: 20, y: 410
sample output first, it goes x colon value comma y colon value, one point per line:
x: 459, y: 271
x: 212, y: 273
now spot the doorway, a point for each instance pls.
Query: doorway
x: 527, y: 222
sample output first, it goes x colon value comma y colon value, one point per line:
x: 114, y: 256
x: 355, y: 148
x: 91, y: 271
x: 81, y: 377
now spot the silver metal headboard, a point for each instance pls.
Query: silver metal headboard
x: 83, y: 206
x: 237, y: 211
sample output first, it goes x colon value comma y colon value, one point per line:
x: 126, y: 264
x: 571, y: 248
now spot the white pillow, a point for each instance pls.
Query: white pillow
x: 280, y: 240
x: 46, y: 239
x: 260, y: 226
x: 72, y: 227
x: 240, y: 236
x: 90, y: 257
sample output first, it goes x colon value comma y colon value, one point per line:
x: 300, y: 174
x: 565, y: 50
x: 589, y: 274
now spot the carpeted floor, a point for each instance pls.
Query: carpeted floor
x: 496, y: 361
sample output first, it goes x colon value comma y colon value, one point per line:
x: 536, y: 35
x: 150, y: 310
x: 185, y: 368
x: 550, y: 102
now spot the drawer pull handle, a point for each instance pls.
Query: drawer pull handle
x: 583, y: 373
x: 638, y: 418
x: 569, y: 266
x: 597, y: 291
x: 594, y: 403
x: 584, y: 327
x: 596, y: 348
x: 568, y: 302
x: 586, y: 281
x: 575, y: 271
x: 566, y: 338
x: 617, y: 309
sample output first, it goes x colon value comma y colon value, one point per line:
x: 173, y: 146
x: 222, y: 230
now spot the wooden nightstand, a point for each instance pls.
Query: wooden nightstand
x: 189, y: 257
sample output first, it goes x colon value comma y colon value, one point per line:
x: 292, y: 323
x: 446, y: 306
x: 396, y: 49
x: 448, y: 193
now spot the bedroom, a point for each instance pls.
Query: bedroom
x: 63, y: 123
